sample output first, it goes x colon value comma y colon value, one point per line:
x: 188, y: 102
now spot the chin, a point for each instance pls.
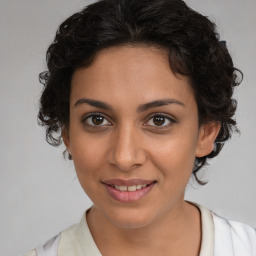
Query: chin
x: 130, y: 219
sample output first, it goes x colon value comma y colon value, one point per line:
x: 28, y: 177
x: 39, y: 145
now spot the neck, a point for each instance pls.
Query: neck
x: 179, y: 231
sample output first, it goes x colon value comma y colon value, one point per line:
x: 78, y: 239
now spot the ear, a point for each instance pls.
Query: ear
x: 65, y: 137
x: 207, y: 134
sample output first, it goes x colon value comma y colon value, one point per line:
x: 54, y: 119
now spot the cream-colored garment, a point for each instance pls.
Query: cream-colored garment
x: 220, y: 237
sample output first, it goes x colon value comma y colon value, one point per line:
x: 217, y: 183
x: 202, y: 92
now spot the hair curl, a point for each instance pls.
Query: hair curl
x: 191, y: 40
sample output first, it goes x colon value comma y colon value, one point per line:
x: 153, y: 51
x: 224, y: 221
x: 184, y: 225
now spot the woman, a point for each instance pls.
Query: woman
x: 141, y: 94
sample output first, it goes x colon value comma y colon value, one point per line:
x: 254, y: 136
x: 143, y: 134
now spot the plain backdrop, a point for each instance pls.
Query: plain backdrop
x: 39, y: 192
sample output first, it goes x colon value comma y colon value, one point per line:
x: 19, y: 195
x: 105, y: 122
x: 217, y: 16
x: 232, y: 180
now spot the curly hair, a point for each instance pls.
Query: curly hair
x: 190, y: 38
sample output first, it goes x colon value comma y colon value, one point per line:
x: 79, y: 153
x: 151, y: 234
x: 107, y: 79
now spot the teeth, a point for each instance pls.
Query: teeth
x: 139, y: 186
x: 122, y: 188
x: 130, y: 188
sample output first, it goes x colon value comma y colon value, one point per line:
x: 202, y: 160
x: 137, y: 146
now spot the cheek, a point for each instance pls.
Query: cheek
x: 175, y: 156
x: 87, y: 165
x: 88, y: 158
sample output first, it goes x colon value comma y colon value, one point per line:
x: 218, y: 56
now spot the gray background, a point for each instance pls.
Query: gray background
x: 39, y: 192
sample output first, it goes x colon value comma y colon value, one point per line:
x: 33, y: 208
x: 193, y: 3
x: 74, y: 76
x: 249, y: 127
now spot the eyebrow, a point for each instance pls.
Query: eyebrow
x: 93, y: 103
x: 158, y: 103
x: 141, y: 108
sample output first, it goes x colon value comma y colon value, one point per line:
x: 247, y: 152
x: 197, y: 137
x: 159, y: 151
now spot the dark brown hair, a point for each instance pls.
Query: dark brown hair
x: 191, y: 40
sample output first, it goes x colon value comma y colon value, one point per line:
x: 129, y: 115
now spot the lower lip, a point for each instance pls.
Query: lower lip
x: 128, y: 196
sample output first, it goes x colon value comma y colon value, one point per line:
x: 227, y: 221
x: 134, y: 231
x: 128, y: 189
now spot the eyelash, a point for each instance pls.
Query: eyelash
x: 85, y: 118
x: 161, y: 115
x: 166, y: 118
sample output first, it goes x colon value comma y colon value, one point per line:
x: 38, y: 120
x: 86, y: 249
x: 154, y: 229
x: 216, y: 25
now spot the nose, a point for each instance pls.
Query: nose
x: 127, y: 150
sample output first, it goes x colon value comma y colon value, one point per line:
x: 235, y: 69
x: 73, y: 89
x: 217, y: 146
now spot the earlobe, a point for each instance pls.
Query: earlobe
x: 207, y: 134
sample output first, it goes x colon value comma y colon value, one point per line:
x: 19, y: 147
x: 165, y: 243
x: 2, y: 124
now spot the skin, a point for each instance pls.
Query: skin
x: 131, y: 144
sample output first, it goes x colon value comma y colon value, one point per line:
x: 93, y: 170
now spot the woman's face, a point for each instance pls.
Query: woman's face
x: 134, y: 134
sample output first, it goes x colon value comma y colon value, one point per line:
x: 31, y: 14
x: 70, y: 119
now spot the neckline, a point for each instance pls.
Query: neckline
x: 207, y: 229
x: 79, y: 238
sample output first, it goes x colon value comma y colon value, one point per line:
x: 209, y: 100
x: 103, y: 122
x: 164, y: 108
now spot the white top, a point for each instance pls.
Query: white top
x: 220, y: 237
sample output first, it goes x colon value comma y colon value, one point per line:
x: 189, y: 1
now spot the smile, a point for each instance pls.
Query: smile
x: 125, y: 191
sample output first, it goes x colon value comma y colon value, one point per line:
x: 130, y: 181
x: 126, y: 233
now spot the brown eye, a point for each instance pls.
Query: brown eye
x: 159, y: 120
x: 95, y: 120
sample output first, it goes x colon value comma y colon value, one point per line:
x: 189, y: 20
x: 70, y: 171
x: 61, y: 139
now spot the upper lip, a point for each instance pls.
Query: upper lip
x: 130, y: 182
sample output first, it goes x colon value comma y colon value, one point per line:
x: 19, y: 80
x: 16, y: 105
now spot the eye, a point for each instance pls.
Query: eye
x: 160, y: 120
x: 95, y: 120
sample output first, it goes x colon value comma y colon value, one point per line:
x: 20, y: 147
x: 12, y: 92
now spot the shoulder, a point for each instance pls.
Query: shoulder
x: 52, y: 246
x: 73, y: 241
x: 224, y: 237
x: 31, y: 253
x: 235, y: 236
x: 48, y: 248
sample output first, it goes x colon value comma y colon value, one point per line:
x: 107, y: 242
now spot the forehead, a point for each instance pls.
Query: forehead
x: 139, y: 72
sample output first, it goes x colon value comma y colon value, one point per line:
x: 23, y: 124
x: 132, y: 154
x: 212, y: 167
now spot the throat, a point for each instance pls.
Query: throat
x: 179, y: 237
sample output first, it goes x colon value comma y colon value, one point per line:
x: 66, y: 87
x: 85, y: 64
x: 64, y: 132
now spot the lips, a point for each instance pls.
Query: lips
x: 128, y: 190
